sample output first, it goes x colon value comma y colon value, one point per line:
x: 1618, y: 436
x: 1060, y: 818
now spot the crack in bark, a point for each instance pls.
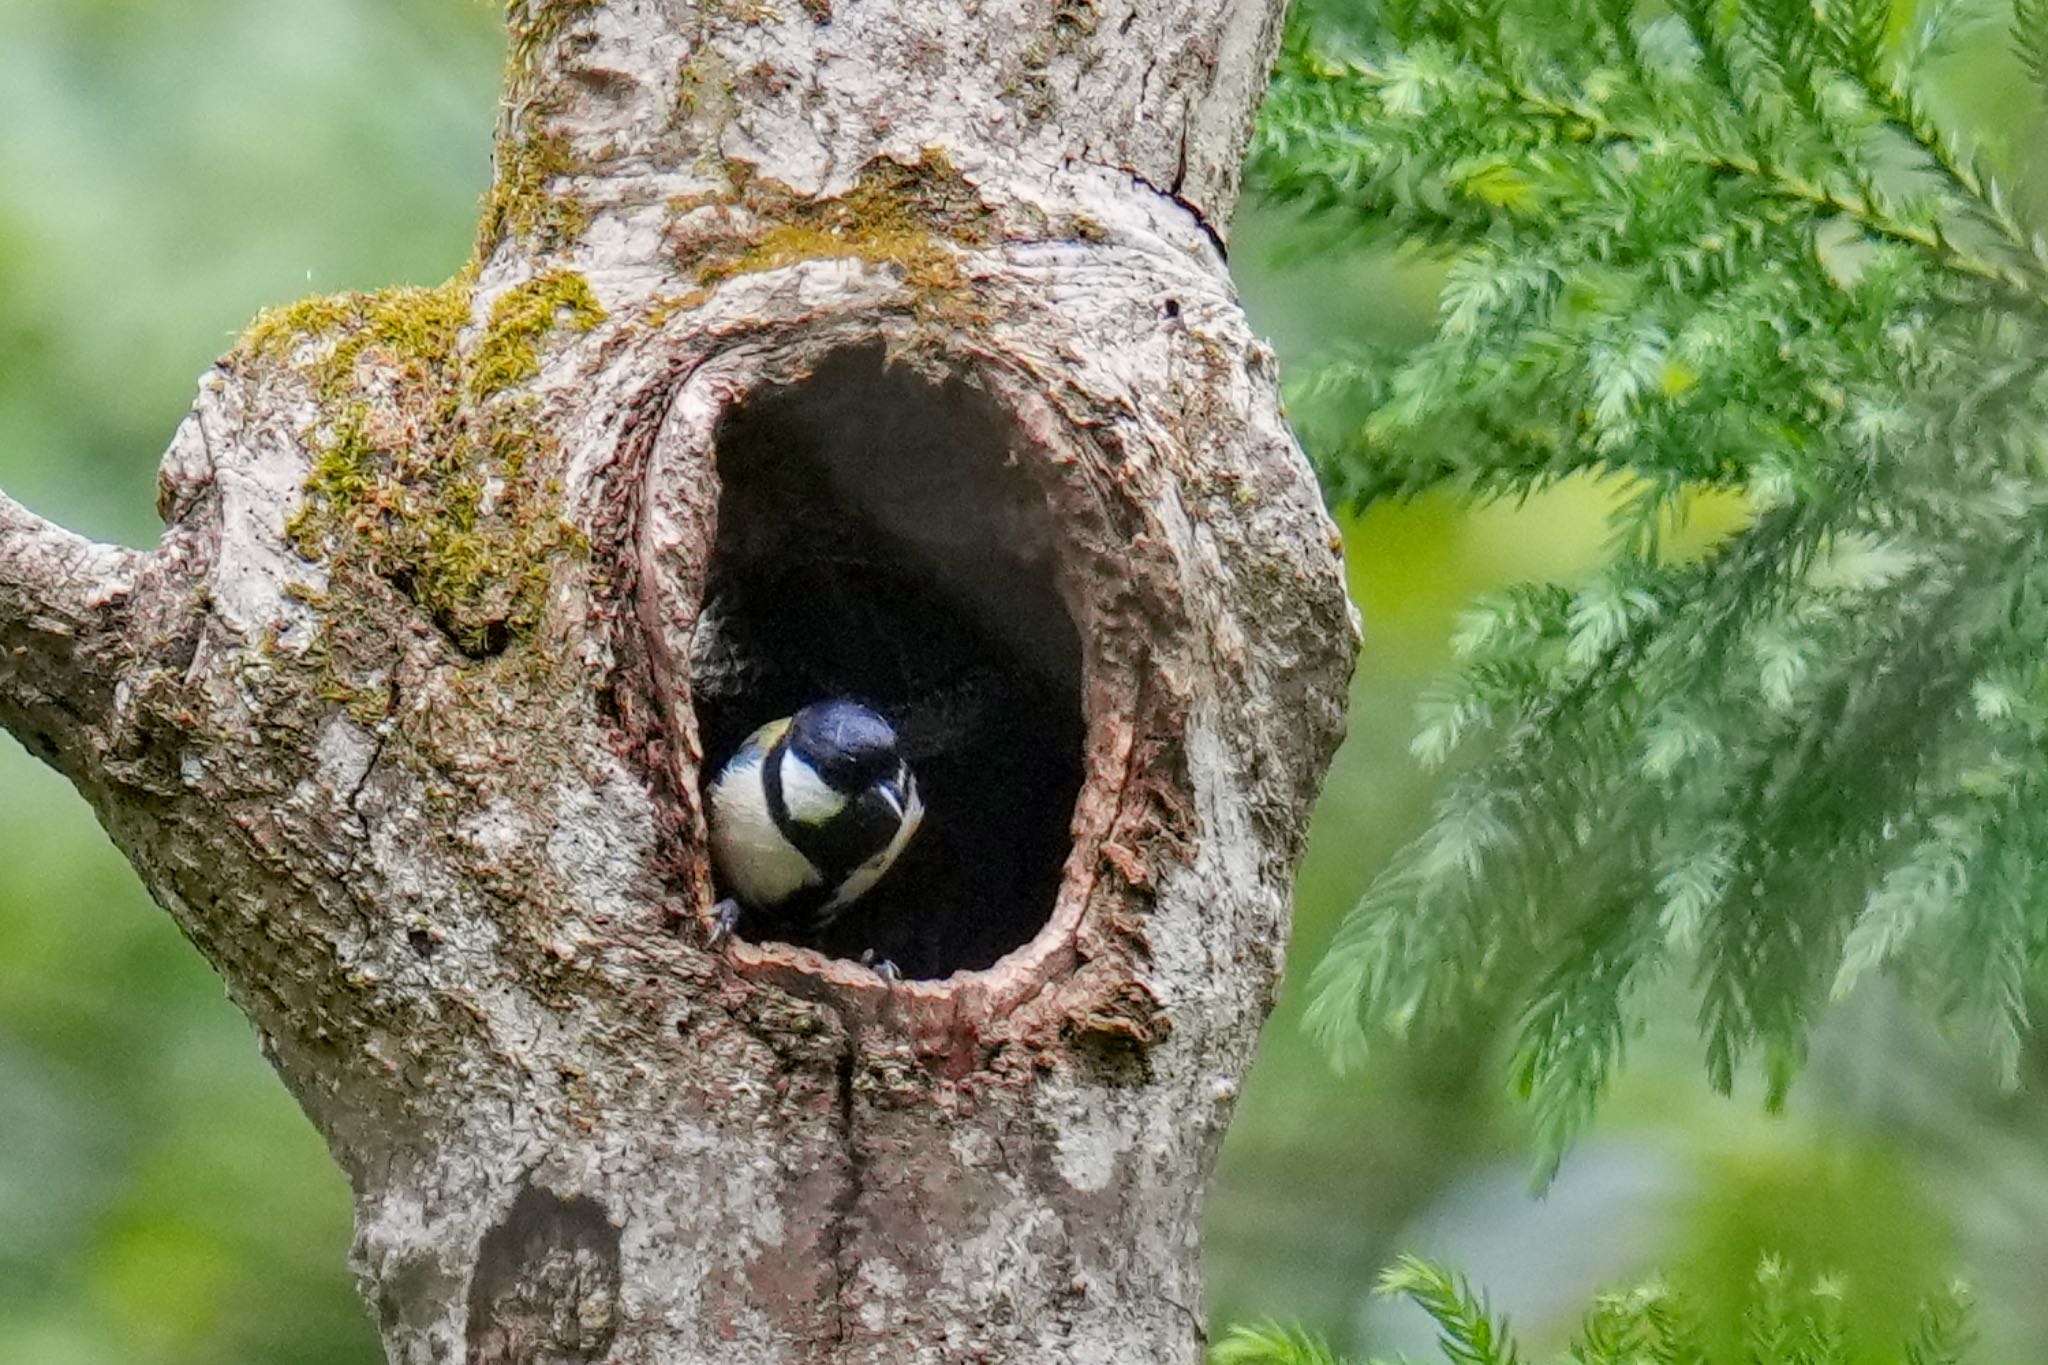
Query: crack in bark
x: 846, y: 1204
x: 1200, y: 1324
x: 1173, y: 193
x: 380, y: 737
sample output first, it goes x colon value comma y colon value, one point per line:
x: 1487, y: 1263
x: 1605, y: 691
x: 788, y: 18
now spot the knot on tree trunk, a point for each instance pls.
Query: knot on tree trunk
x: 545, y: 1290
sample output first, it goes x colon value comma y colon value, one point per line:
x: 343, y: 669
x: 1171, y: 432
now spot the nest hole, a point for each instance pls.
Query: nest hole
x: 878, y: 540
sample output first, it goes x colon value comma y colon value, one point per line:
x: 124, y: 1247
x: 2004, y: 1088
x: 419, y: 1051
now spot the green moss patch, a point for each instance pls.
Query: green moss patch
x: 520, y: 204
x: 417, y: 325
x: 917, y: 217
x: 431, y: 475
x: 533, y: 25
x: 520, y: 319
x: 529, y: 157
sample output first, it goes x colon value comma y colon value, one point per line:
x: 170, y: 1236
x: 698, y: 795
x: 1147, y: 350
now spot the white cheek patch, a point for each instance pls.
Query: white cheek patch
x: 762, y: 868
x: 809, y: 799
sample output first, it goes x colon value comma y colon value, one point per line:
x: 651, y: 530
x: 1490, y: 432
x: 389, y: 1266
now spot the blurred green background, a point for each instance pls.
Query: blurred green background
x: 171, y: 168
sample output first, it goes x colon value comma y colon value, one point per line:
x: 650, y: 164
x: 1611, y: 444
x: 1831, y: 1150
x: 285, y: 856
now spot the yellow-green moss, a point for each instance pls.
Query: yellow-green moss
x: 408, y: 325
x: 519, y: 203
x: 528, y: 155
x: 916, y: 217
x: 534, y: 25
x: 666, y: 306
x: 343, y: 476
x: 428, y: 475
x: 522, y: 316
x: 466, y: 529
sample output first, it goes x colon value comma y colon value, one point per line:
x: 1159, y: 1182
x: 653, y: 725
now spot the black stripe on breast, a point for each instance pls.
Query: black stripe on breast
x: 771, y: 787
x: 860, y: 830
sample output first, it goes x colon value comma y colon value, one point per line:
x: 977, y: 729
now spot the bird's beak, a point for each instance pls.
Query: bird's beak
x: 892, y: 792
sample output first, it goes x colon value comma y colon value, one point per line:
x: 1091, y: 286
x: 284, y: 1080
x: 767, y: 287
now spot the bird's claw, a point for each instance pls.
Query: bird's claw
x: 725, y: 917
x: 881, y: 967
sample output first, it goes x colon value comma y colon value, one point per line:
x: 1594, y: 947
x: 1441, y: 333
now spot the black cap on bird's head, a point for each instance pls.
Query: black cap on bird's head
x: 847, y: 744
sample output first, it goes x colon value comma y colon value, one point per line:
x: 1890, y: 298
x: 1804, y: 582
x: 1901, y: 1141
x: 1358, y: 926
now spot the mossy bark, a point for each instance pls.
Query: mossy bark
x: 401, y: 719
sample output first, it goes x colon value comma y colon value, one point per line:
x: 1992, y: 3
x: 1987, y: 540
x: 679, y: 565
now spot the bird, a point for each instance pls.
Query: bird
x: 808, y: 815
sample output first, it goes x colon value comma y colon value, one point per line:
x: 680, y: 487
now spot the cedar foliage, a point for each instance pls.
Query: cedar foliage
x: 1701, y: 245
x: 1786, y: 1324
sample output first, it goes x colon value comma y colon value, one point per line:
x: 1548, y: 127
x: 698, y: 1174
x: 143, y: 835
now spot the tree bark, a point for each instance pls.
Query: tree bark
x: 810, y: 343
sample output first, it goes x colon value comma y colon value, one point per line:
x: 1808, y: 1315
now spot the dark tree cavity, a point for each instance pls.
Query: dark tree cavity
x: 880, y: 537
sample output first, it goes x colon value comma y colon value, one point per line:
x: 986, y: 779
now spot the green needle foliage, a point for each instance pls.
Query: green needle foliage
x: 1787, y: 1324
x: 1699, y: 247
x: 1467, y: 1332
x: 1271, y: 1344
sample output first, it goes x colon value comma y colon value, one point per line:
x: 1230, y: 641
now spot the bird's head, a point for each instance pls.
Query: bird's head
x: 810, y: 813
x: 853, y: 749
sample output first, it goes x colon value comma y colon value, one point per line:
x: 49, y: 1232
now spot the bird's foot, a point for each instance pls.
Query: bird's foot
x: 881, y: 967
x: 725, y: 917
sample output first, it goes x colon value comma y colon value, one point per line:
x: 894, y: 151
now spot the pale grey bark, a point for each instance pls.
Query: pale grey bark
x: 61, y: 599
x: 402, y: 719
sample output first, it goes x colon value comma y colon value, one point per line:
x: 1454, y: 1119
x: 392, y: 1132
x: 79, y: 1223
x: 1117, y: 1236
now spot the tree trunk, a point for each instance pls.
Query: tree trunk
x: 830, y: 346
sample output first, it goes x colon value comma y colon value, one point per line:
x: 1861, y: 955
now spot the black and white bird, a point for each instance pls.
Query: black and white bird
x: 808, y: 815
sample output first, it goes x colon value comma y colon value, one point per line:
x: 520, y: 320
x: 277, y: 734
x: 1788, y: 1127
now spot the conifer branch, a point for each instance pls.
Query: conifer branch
x: 1683, y: 253
x: 1580, y: 120
x: 1962, y: 165
x: 1786, y: 1322
x: 1469, y: 1333
x: 1270, y: 1344
x: 2030, y: 40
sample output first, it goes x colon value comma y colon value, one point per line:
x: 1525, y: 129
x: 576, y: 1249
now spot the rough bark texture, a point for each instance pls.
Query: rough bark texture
x: 404, y: 719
